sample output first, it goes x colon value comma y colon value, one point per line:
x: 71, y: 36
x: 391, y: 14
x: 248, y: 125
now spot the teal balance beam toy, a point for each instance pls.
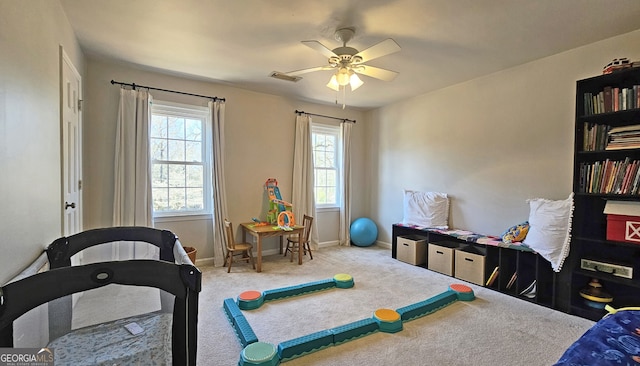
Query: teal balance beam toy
x: 385, y: 320
x: 301, y: 346
x: 240, y: 324
x: 456, y: 292
x: 351, y: 331
x: 297, y: 290
x: 428, y: 306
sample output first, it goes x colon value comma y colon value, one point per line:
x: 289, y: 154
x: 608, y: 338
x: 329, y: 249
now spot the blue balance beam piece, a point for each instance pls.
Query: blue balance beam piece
x: 280, y: 293
x: 306, y: 344
x: 245, y: 333
x: 231, y: 308
x: 353, y: 330
x: 427, y: 306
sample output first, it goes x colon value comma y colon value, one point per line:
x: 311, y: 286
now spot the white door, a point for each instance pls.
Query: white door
x: 71, y: 90
x: 71, y: 133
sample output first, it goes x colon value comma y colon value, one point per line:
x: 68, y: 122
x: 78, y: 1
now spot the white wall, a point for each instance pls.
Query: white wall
x: 490, y: 143
x: 259, y: 145
x: 31, y: 33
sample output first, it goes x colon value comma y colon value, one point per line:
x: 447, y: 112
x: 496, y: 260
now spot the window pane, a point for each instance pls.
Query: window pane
x: 331, y: 178
x: 159, y: 175
x: 160, y: 199
x: 321, y: 177
x: 158, y: 126
x: 177, y: 199
x: 158, y: 149
x: 329, y: 160
x: 330, y: 143
x: 176, y: 128
x: 195, y: 199
x: 193, y: 129
x: 320, y: 159
x: 331, y: 195
x: 321, y: 195
x: 177, y: 175
x: 195, y: 176
x: 176, y: 150
x: 193, y: 151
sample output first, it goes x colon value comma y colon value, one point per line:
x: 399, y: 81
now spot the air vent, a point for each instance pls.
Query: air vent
x: 282, y: 76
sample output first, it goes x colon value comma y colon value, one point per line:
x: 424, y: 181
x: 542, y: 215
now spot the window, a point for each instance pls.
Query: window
x: 326, y: 141
x: 180, y: 168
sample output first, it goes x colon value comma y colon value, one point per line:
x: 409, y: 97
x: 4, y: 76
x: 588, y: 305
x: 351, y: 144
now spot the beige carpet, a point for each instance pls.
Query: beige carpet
x: 494, y: 329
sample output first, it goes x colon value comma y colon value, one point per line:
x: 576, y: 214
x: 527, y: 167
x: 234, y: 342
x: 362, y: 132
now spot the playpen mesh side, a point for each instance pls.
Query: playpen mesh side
x: 91, y: 303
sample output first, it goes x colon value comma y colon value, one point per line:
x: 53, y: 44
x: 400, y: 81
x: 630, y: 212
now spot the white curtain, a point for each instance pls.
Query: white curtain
x: 216, y: 108
x: 345, y: 197
x: 132, y: 176
x: 303, y: 199
x: 132, y: 193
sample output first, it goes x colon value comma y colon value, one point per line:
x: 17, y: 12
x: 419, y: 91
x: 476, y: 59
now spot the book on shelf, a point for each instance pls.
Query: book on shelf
x: 625, y: 137
x: 611, y: 99
x: 595, y: 136
x: 610, y: 177
x: 530, y: 291
x: 512, y: 280
x: 493, y: 276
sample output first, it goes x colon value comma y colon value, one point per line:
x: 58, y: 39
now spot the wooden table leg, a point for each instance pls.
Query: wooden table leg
x: 259, y: 245
x: 300, y: 248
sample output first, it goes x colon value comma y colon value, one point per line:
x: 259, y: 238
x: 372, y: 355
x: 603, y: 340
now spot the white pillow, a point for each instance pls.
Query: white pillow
x: 550, y: 229
x: 428, y: 209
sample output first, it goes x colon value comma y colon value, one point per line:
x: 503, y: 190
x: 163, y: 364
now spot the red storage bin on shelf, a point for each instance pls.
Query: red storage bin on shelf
x: 623, y: 221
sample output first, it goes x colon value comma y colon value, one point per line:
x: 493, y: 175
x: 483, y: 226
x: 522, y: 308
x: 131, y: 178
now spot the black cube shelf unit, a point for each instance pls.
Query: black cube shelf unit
x: 527, y: 266
x: 604, y: 103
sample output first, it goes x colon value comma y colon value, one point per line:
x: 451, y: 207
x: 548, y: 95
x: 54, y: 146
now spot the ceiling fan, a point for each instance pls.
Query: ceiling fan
x: 348, y: 62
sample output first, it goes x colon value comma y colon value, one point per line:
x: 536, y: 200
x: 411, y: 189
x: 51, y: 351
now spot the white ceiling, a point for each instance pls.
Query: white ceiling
x: 444, y: 42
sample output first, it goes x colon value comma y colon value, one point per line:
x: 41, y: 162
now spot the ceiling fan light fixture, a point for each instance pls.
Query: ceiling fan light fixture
x: 355, y: 81
x: 342, y: 76
x: 333, y: 83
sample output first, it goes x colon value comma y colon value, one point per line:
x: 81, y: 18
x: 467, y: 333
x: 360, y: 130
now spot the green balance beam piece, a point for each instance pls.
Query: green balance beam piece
x: 353, y: 330
x: 427, y: 306
x: 304, y: 345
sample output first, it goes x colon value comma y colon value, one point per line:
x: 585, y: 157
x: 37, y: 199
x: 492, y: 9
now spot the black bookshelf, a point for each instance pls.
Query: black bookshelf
x: 602, y: 174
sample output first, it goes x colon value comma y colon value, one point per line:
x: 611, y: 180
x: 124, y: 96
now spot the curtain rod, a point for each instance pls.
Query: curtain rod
x: 134, y: 86
x: 321, y: 115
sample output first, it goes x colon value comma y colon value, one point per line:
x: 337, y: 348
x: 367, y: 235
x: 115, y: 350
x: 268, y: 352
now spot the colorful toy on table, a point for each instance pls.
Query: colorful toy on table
x: 258, y: 222
x: 279, y: 210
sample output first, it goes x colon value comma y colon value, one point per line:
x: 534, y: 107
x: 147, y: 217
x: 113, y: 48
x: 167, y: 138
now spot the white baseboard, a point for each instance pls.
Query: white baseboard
x: 204, y: 262
x: 383, y: 244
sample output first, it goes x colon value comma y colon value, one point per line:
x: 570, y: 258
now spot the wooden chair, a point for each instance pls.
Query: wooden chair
x: 295, y: 242
x: 236, y: 249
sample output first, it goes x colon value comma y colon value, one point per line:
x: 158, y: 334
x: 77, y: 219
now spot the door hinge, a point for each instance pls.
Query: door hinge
x: 79, y: 185
x: 79, y: 104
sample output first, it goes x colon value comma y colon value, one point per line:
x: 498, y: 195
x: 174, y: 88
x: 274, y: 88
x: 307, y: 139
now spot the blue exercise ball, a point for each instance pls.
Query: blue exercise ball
x: 364, y: 232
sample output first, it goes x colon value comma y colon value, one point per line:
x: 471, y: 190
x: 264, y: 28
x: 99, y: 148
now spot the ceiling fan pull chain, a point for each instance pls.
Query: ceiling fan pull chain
x: 344, y: 96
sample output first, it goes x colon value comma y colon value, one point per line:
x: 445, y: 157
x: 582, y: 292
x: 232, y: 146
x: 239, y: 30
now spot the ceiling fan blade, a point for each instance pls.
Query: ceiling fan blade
x: 311, y: 69
x: 375, y: 72
x: 386, y: 47
x: 320, y: 48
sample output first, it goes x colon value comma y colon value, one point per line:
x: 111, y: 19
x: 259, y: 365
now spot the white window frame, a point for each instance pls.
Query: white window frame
x: 196, y: 112
x: 325, y: 129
